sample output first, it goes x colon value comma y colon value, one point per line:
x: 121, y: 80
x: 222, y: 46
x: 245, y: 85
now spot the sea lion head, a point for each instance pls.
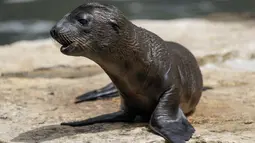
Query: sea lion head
x: 89, y: 29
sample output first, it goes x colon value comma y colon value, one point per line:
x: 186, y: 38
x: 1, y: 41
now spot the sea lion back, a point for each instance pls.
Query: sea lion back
x: 190, y: 76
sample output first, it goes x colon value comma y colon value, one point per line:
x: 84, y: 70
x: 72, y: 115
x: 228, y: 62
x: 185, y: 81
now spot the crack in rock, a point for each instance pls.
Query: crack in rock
x: 57, y: 72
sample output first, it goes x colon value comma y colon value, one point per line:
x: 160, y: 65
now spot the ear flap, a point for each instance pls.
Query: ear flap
x: 114, y: 25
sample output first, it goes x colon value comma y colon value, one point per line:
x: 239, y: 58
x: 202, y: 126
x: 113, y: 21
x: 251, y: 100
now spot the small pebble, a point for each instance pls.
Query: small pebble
x: 248, y: 122
x: 3, y: 117
x: 51, y: 93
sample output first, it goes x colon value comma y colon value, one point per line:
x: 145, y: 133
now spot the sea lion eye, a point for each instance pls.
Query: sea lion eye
x: 114, y: 25
x: 83, y: 21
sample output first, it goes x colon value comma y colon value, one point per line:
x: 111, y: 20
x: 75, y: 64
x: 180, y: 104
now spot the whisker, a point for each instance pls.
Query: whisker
x: 81, y: 41
x: 62, y: 39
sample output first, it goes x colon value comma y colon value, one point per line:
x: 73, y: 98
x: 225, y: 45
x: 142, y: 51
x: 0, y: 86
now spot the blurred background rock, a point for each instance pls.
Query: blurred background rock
x: 32, y: 19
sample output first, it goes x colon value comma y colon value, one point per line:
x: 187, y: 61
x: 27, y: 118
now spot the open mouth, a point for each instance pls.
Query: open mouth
x: 68, y: 48
x: 65, y: 46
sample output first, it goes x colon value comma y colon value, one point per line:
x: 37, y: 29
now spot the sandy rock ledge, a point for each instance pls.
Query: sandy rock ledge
x: 39, y: 84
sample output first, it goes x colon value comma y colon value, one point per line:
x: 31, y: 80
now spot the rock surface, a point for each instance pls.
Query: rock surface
x: 39, y: 84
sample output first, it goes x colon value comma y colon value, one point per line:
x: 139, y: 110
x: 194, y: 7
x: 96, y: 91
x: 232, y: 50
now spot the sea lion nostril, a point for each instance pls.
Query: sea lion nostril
x: 53, y: 32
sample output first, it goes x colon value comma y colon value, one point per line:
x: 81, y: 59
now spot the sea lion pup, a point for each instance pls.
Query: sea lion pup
x: 158, y: 82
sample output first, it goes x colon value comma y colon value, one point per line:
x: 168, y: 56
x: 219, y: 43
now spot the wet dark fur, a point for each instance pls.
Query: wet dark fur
x: 153, y: 77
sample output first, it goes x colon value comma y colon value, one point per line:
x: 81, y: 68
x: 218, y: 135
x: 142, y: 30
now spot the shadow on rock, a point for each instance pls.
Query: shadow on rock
x: 51, y: 132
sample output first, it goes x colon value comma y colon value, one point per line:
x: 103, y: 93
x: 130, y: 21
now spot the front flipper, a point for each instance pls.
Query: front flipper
x: 168, y: 119
x: 120, y: 116
x: 106, y: 92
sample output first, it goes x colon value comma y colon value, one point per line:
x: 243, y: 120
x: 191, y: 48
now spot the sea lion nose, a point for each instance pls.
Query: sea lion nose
x: 53, y: 32
x: 57, y: 28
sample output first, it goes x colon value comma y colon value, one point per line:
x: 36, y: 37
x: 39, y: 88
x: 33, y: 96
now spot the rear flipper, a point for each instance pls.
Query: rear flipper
x: 120, y: 116
x: 106, y: 92
x: 169, y: 121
